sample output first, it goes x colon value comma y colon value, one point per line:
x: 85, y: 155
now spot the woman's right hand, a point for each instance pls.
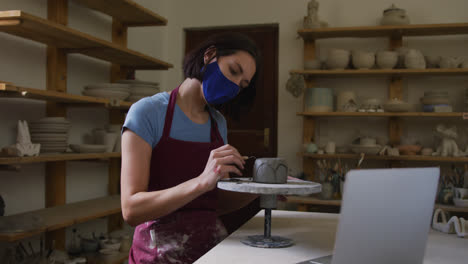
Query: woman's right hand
x: 222, y: 161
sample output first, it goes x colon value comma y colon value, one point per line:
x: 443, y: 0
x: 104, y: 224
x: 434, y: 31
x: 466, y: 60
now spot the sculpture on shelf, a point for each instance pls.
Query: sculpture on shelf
x: 23, y: 146
x: 448, y: 146
x: 454, y: 225
x: 312, y: 20
x: 295, y: 85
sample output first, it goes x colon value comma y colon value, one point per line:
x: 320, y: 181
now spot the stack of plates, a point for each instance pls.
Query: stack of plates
x: 117, y: 91
x: 51, y: 133
x: 140, y: 89
x: 435, y: 99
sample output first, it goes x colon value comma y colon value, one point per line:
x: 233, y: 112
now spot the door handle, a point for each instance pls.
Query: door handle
x: 266, y: 137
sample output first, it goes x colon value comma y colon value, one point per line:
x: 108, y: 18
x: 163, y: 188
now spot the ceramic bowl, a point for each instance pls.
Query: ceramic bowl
x: 432, y: 107
x: 396, y: 105
x: 386, y: 59
x: 427, y: 151
x: 460, y: 193
x: 432, y: 61
x: 460, y: 202
x: 337, y: 59
x: 369, y: 150
x: 367, y: 141
x: 363, y: 60
x: 409, y: 149
x: 111, y: 244
x: 449, y: 62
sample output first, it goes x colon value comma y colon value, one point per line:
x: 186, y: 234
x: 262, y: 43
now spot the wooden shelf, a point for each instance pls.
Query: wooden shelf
x: 385, y: 31
x: 66, y: 215
x: 24, y: 25
x: 452, y: 208
x: 127, y: 12
x: 384, y: 114
x: 312, y: 200
x: 377, y: 157
x: 58, y: 157
x: 10, y: 90
x: 380, y: 72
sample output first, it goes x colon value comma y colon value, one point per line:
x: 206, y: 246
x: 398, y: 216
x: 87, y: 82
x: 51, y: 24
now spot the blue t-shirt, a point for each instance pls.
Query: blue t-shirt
x: 146, y: 119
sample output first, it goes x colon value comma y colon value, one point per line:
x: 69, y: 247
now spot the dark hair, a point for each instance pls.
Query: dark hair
x: 226, y: 44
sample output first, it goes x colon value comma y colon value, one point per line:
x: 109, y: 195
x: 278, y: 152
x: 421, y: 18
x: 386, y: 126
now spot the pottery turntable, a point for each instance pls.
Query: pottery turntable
x: 270, y: 178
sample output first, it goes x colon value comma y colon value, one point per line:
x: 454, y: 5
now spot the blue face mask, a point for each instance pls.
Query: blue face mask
x: 216, y: 87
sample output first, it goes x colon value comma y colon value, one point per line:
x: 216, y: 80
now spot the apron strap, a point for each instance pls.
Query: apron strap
x: 214, y: 131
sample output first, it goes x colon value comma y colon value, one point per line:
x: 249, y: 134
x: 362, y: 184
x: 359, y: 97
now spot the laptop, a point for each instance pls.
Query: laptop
x: 385, y: 217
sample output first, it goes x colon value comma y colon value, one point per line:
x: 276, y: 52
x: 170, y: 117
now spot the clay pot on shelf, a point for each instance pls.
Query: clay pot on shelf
x: 386, y: 59
x: 337, y: 59
x: 414, y: 60
x: 449, y: 62
x: 344, y: 100
x: 362, y: 59
x: 394, y: 16
x: 409, y: 149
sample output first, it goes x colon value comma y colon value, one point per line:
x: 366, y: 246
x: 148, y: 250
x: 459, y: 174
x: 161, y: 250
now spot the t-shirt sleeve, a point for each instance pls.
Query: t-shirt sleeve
x: 142, y: 121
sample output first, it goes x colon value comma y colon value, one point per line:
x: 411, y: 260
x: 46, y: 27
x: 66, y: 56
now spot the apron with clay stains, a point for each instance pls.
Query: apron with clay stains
x: 188, y: 233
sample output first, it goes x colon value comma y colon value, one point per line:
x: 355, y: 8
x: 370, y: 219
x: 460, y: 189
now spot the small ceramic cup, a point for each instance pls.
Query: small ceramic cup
x: 330, y: 148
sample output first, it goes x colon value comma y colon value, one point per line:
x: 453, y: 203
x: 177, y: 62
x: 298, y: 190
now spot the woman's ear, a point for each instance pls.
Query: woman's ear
x: 210, y: 53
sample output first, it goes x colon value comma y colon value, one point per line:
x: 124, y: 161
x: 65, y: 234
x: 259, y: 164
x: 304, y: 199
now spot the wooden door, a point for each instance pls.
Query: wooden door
x: 254, y: 134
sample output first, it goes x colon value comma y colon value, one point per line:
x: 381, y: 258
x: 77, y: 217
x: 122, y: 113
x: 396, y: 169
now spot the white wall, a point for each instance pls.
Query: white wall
x: 23, y: 63
x: 289, y: 14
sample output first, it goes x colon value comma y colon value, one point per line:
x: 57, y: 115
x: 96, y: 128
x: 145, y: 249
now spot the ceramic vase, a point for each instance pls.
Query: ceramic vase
x: 319, y: 100
x: 414, y: 60
x: 395, y: 16
x: 344, y: 99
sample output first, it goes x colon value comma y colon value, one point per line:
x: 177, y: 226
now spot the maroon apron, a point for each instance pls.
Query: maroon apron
x: 188, y: 233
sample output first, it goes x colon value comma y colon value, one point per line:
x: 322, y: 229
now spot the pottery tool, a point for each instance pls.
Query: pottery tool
x: 270, y: 179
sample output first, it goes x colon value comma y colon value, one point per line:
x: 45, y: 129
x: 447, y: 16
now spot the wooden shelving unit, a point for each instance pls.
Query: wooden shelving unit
x: 315, y: 201
x: 381, y: 72
x: 389, y: 158
x: 61, y: 41
x: 61, y: 216
x: 394, y: 35
x: 24, y: 25
x: 385, y: 31
x: 129, y: 13
x: 58, y: 157
x: 384, y: 114
x: 13, y: 91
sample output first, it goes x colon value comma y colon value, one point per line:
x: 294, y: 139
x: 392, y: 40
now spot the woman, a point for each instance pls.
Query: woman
x: 174, y: 150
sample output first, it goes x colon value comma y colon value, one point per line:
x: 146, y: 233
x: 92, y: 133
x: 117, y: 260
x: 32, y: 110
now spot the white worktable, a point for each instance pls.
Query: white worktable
x: 314, y: 236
